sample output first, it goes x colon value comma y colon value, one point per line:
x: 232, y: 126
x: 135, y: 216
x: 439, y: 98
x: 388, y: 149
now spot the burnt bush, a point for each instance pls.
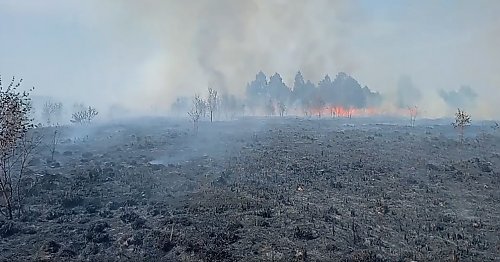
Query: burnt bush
x: 96, y: 232
x: 304, y: 233
x: 8, y: 228
x: 71, y: 201
x: 133, y: 219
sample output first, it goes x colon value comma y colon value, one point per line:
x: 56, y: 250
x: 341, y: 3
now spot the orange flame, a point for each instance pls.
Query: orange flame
x: 349, y: 112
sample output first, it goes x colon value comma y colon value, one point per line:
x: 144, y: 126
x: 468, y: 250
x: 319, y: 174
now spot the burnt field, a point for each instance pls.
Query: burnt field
x: 275, y: 189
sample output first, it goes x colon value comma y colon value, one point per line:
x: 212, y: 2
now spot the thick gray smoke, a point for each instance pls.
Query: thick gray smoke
x: 225, y: 42
x: 407, y: 94
x: 464, y: 98
x: 143, y: 55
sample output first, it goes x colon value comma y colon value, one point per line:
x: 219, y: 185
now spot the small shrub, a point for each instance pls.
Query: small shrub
x: 16, y: 145
x: 84, y: 116
x: 462, y: 120
x: 96, y: 233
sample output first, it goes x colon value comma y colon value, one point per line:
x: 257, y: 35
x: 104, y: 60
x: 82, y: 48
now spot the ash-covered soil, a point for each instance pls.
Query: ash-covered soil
x: 276, y: 189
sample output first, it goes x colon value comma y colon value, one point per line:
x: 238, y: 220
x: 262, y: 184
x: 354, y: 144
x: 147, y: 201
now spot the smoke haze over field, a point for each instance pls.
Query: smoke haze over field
x: 142, y: 55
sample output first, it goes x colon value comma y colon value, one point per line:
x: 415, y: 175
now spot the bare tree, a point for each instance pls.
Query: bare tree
x: 52, y: 112
x: 16, y: 146
x: 203, y: 105
x: 84, y: 116
x: 53, y: 143
x: 413, y: 110
x: 462, y: 120
x: 196, y: 111
x: 212, y: 102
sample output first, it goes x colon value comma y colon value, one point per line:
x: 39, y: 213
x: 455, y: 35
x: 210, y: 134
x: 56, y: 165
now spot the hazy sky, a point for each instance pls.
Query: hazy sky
x: 142, y: 54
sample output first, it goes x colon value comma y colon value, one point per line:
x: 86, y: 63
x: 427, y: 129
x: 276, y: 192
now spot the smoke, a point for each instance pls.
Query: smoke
x: 223, y: 43
x: 143, y: 55
x: 407, y: 94
x: 465, y: 97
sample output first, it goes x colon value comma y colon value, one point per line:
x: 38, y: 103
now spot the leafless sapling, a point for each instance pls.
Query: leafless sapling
x: 53, y: 143
x: 52, y: 112
x: 462, y: 120
x: 196, y: 111
x: 27, y: 147
x: 413, y: 110
x: 16, y: 144
x: 212, y: 102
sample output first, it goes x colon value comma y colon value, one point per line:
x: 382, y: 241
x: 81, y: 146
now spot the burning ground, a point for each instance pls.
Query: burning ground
x: 261, y: 190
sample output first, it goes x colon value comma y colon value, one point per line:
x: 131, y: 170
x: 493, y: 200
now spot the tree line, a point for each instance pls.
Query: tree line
x: 343, y: 91
x: 271, y: 96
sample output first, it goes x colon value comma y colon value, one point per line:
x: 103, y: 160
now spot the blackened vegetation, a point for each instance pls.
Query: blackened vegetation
x: 84, y: 115
x: 289, y: 190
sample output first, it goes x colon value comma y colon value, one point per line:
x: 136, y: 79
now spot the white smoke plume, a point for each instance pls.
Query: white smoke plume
x: 144, y: 54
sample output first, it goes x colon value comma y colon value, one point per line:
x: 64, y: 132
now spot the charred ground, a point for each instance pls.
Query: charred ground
x: 261, y: 190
